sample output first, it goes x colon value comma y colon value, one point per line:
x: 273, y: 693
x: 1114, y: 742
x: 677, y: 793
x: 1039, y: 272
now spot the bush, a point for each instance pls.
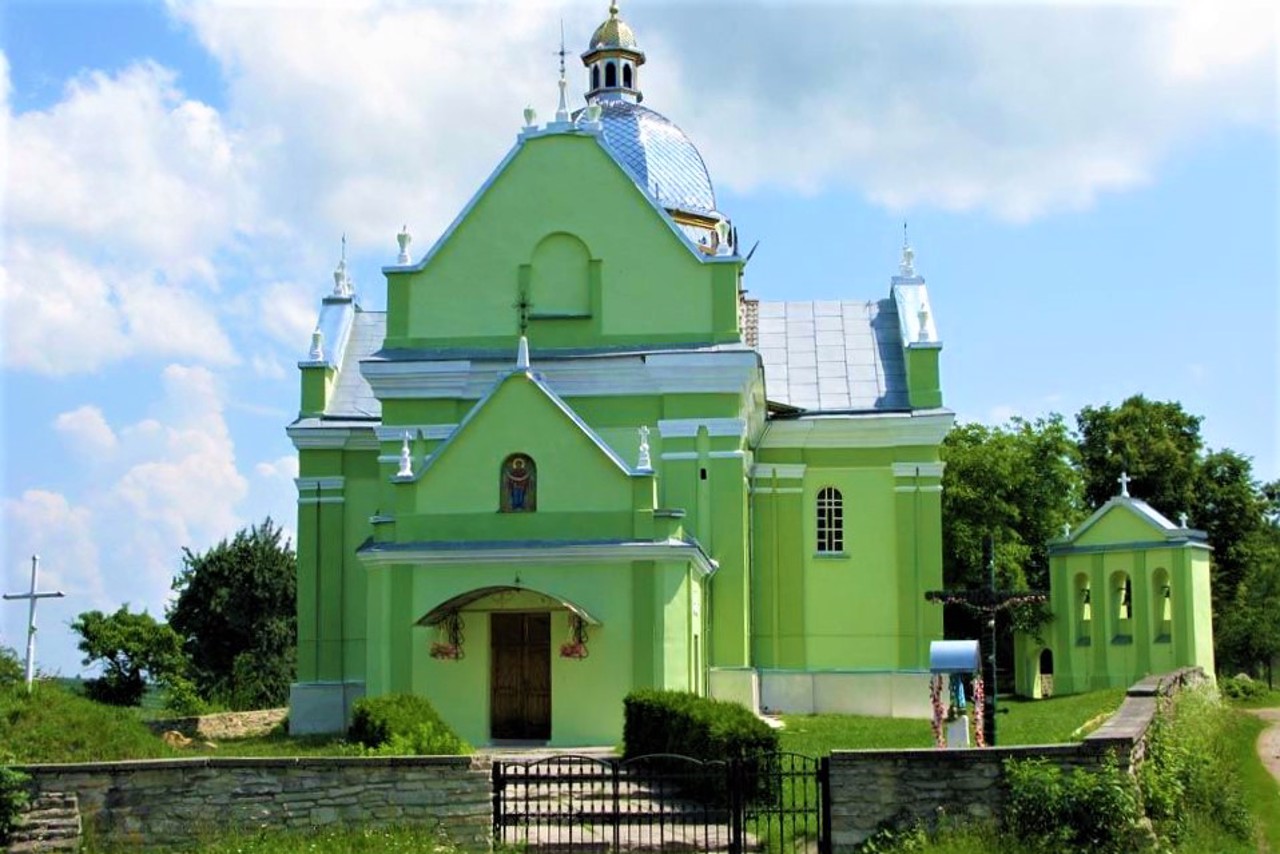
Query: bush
x: 399, y: 724
x: 13, y: 798
x: 1088, y: 810
x: 12, y: 669
x: 686, y: 724
x: 1241, y: 687
x: 1188, y: 768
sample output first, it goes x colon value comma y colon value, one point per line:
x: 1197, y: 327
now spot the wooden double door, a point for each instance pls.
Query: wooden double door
x: 520, y: 676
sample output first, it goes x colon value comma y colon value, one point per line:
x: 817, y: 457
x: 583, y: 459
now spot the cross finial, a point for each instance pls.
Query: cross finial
x: 907, y: 266
x: 1182, y: 519
x: 562, y: 108
x: 1123, y: 480
x: 523, y: 305
x: 406, y: 458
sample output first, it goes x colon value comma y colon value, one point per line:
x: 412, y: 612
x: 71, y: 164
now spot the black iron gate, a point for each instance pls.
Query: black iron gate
x: 770, y: 803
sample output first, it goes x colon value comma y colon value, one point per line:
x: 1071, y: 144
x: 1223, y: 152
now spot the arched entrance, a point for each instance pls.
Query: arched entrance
x: 519, y: 623
x: 1046, y: 673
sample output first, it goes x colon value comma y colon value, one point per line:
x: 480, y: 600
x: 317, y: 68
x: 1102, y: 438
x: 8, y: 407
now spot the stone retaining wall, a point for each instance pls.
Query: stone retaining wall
x: 176, y: 801
x: 873, y: 789
x: 224, y: 725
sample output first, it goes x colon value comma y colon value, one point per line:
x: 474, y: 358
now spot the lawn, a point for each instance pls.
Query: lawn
x: 1051, y: 721
x: 330, y: 841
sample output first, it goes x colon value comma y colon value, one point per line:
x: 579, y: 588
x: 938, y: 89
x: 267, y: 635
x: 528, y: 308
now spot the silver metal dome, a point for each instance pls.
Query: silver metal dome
x: 660, y: 158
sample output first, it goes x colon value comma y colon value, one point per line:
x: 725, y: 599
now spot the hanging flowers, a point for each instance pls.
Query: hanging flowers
x: 939, y: 713
x: 979, y: 701
x: 576, y: 647
x: 448, y: 646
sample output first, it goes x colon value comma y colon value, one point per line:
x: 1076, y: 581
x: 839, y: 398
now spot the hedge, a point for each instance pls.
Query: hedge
x: 689, y: 725
x: 398, y: 724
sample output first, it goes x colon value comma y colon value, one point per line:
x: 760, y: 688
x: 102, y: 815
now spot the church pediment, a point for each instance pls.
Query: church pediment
x: 522, y: 450
x: 1127, y: 520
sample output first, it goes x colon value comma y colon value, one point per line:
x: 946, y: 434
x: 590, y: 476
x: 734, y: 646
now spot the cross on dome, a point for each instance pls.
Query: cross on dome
x: 1123, y: 480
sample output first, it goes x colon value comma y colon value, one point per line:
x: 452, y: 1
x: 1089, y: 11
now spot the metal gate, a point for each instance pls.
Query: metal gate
x: 770, y: 803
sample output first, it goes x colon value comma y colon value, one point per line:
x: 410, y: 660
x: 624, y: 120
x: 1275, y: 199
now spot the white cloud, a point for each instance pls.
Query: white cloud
x: 86, y: 429
x: 63, y: 314
x: 46, y: 523
x: 267, y: 366
x: 285, y: 467
x: 287, y: 312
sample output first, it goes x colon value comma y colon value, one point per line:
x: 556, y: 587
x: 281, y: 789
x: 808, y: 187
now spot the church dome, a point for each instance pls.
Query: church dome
x: 614, y: 32
x: 660, y: 158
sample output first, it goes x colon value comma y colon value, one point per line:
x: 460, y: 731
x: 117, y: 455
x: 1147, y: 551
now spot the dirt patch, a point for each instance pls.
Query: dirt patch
x: 1269, y: 741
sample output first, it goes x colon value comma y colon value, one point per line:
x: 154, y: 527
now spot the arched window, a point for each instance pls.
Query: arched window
x: 610, y: 74
x: 518, y: 485
x: 626, y: 74
x: 1084, y: 611
x: 1162, y: 606
x: 1121, y: 608
x: 830, y: 520
x: 595, y: 77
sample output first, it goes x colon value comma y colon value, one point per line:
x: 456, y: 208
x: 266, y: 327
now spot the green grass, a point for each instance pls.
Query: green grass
x: 1051, y: 721
x: 1270, y: 699
x: 53, y: 724
x: 1261, y: 790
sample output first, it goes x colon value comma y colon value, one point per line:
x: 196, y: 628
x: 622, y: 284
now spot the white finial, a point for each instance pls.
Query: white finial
x: 530, y: 116
x: 1182, y: 518
x: 341, y: 281
x: 404, y: 238
x: 522, y: 354
x: 908, y: 266
x: 723, y: 246
x: 406, y: 458
x: 317, y: 346
x: 562, y: 108
x: 594, y: 110
x: 644, y: 463
x: 923, y: 317
x: 1123, y: 480
x: 1066, y: 530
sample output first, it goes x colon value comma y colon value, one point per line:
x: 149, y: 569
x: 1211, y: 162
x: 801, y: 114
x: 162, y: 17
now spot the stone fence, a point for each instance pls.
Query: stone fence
x: 874, y: 789
x: 223, y: 725
x: 176, y: 801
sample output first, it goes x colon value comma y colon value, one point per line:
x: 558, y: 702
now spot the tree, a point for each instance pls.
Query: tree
x: 1247, y: 629
x: 236, y: 614
x: 1017, y: 485
x: 133, y: 649
x: 1158, y: 444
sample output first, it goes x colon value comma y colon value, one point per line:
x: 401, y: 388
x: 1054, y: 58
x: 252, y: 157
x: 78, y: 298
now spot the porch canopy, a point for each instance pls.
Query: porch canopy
x: 457, y: 603
x: 954, y: 656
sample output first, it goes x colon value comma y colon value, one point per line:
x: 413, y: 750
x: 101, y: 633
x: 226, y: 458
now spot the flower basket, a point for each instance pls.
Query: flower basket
x: 446, y: 651
x: 574, y: 649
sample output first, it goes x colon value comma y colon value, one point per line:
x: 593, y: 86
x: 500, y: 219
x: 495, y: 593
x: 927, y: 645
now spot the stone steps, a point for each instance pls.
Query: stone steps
x: 50, y: 823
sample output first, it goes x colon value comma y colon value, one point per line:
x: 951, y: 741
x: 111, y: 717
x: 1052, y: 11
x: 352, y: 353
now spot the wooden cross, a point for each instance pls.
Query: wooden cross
x: 32, y: 596
x: 1123, y: 480
x: 987, y: 601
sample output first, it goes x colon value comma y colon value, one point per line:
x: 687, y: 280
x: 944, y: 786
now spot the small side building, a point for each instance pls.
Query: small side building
x: 1129, y: 591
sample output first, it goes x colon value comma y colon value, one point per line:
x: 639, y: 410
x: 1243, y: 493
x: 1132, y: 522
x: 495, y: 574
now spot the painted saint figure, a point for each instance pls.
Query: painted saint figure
x: 519, y: 485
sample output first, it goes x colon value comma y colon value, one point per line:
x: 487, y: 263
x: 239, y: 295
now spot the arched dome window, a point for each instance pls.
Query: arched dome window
x: 626, y: 75
x: 610, y: 74
x: 595, y: 77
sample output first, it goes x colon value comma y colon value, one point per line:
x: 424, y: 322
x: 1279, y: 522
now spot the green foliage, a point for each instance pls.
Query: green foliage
x: 1087, y: 810
x: 181, y: 699
x: 689, y: 725
x: 132, y: 648
x: 1241, y: 687
x: 1189, y: 769
x: 403, y: 724
x: 236, y: 614
x: 13, y: 799
x: 12, y: 668
x: 53, y: 724
x: 1017, y: 484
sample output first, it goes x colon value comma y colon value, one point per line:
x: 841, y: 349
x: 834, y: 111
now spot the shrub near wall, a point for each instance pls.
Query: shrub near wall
x: 689, y: 725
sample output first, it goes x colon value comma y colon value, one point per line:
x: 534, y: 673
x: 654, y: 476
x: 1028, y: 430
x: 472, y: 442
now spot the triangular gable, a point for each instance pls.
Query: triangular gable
x: 1125, y: 520
x: 521, y: 414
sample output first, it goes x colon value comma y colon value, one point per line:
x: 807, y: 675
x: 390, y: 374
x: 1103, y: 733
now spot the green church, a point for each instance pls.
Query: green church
x: 573, y: 458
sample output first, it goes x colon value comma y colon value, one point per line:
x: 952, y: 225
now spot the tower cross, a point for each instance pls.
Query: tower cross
x: 1123, y: 480
x: 32, y: 595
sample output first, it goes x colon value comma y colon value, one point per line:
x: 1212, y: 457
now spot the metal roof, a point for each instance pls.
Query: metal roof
x: 833, y: 356
x: 658, y: 156
x: 352, y: 395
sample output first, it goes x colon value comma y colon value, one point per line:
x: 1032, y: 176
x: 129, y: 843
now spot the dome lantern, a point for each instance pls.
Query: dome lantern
x: 613, y: 60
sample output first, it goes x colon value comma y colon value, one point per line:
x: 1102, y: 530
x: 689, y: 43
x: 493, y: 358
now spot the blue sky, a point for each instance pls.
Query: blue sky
x: 1091, y: 192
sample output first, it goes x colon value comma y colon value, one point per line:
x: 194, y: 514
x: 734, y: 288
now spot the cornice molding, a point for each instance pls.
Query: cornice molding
x: 859, y: 431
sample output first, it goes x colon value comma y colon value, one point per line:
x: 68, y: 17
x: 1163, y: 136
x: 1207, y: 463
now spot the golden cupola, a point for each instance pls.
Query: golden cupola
x: 613, y: 59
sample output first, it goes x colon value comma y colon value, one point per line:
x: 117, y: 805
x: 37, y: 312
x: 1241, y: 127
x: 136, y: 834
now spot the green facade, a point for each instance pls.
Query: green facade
x: 572, y: 303
x: 1129, y: 593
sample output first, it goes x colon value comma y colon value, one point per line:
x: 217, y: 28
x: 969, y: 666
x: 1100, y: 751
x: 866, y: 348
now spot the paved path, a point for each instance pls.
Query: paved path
x: 1269, y: 741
